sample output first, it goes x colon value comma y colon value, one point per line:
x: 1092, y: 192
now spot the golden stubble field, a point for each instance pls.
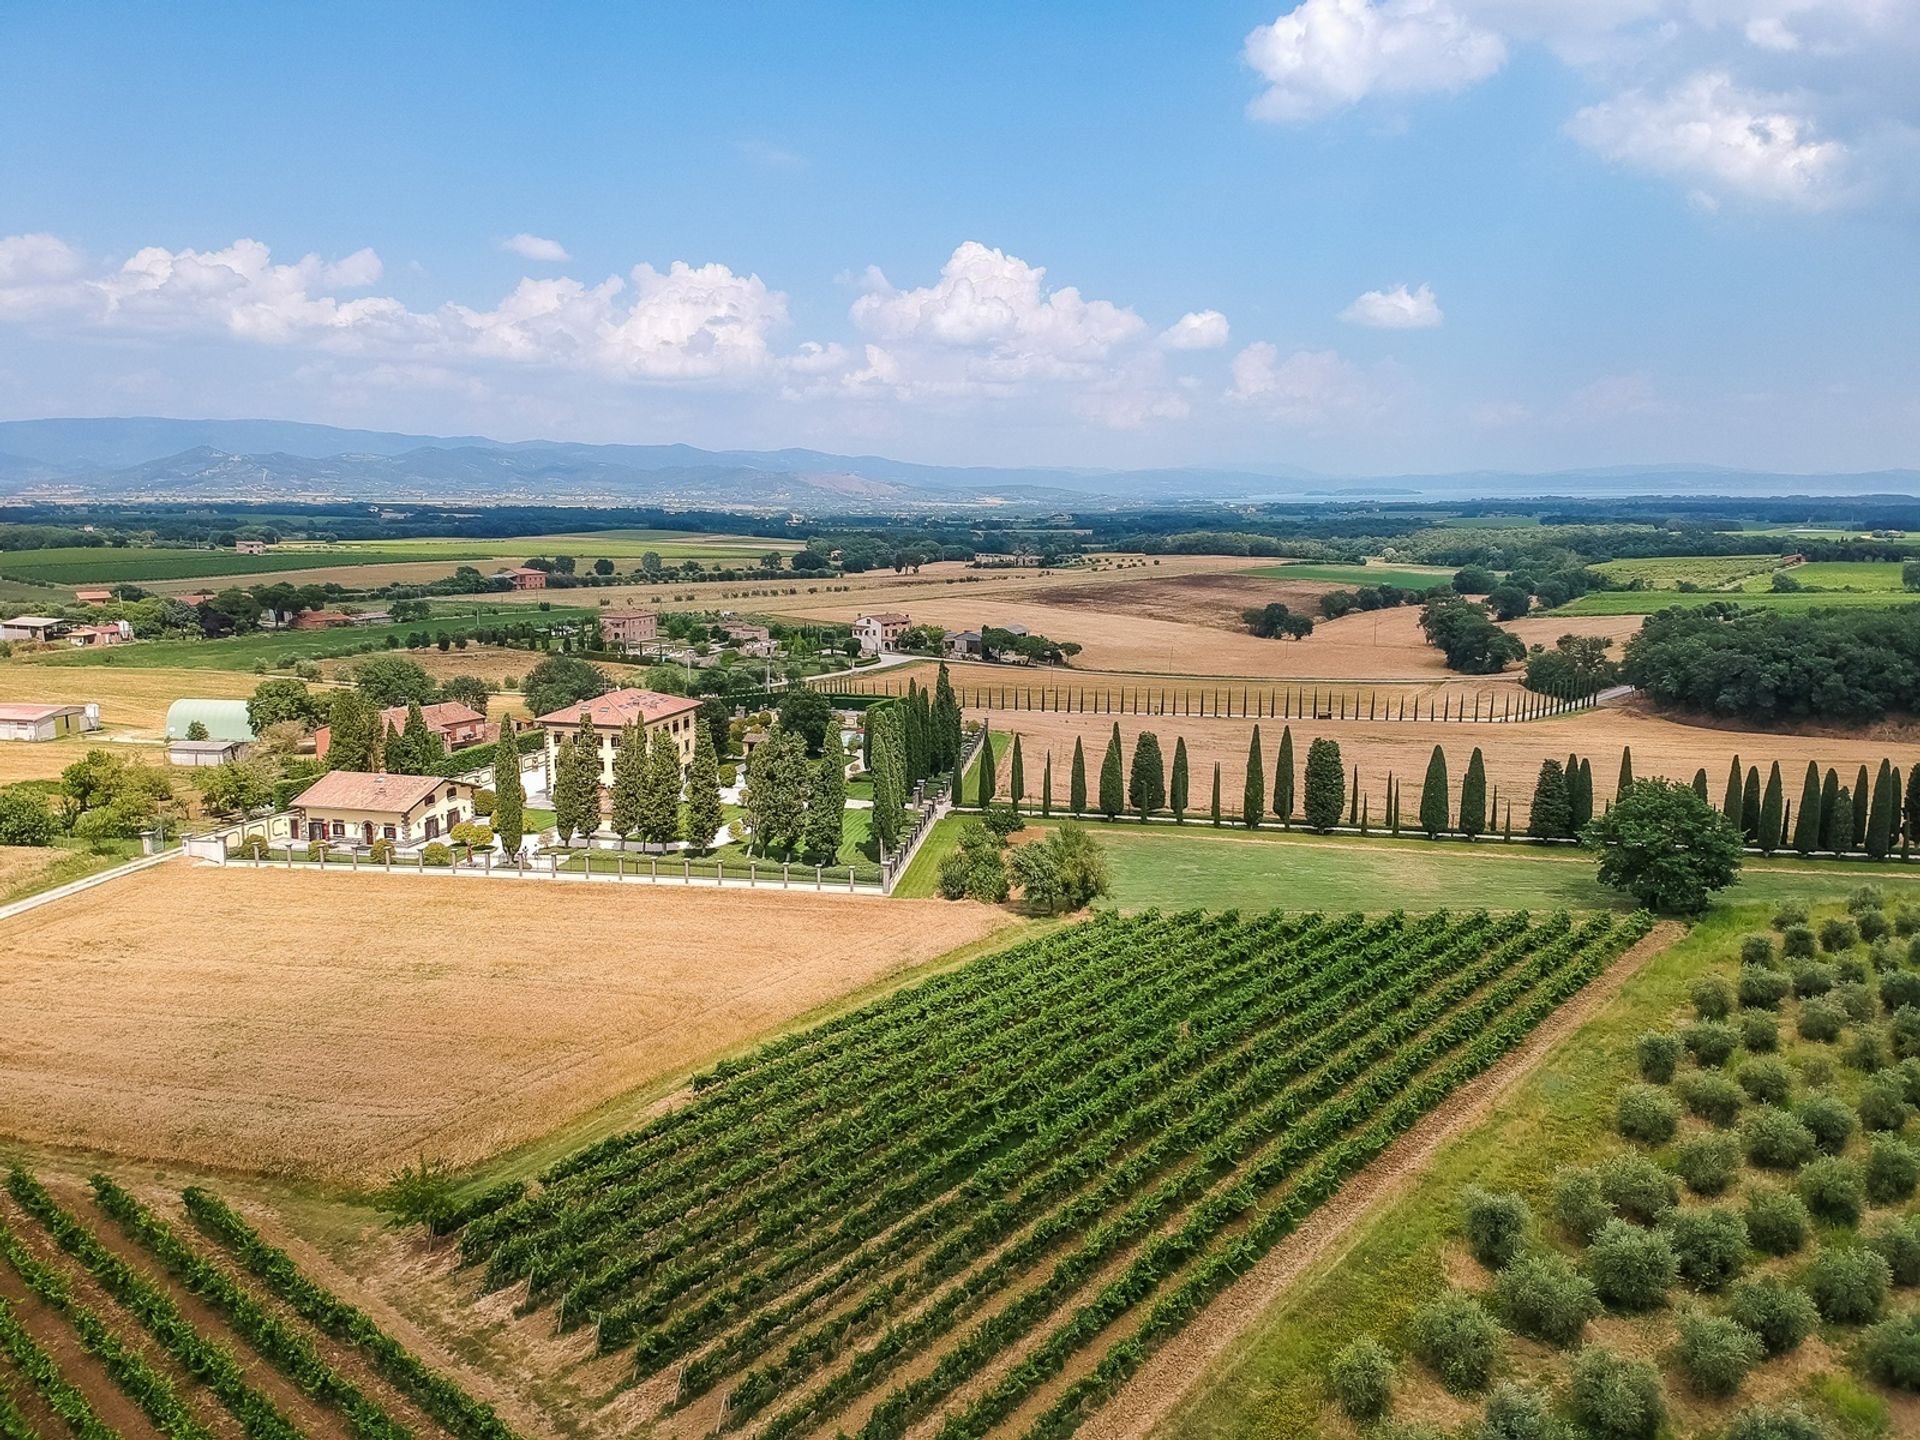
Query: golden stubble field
x: 1513, y: 753
x: 133, y: 710
x: 335, y: 1027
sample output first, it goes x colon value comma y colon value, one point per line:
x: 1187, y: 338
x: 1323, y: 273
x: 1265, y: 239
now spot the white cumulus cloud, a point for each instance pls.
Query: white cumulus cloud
x: 1722, y: 139
x: 1196, y: 330
x: 1325, y: 55
x: 1302, y: 388
x: 1395, y: 309
x: 536, y: 247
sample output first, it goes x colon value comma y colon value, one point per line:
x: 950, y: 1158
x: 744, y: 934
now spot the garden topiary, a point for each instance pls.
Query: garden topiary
x: 1613, y: 1398
x: 1834, y: 1189
x: 1891, y: 1352
x: 1898, y: 1243
x: 1777, y: 1220
x: 1775, y: 1139
x: 1542, y: 1297
x: 1837, y: 934
x: 1710, y: 1042
x: 1757, y: 950
x: 1782, y: 1315
x: 1631, y: 1269
x: 1810, y: 981
x: 1828, y: 1119
x: 1658, y: 1054
x: 1767, y: 1081
x: 1496, y: 1225
x: 1712, y: 998
x: 1715, y: 1353
x: 1762, y: 988
x: 434, y: 853
x: 1707, y: 1163
x: 1518, y: 1412
x: 1637, y: 1188
x: 1796, y: 943
x: 1580, y: 1204
x: 1759, y: 1032
x: 1892, y: 1170
x: 1709, y: 1245
x: 1360, y: 1379
x: 1711, y: 1097
x: 1849, y: 1284
x: 1647, y: 1113
x: 1763, y: 1422
x: 1883, y: 1103
x: 1456, y: 1339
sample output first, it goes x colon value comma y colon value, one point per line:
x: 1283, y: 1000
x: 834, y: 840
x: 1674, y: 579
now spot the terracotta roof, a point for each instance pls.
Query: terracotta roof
x: 888, y: 617
x: 360, y: 790
x: 441, y: 715
x: 36, y: 712
x: 93, y: 594
x: 618, y: 614
x: 618, y: 708
x: 523, y: 570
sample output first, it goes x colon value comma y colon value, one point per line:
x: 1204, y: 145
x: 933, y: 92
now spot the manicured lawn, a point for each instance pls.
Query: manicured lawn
x: 1406, y: 577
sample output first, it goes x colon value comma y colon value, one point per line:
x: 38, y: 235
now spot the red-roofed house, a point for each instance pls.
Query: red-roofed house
x: 114, y: 632
x: 525, y: 577
x: 613, y: 712
x: 878, y: 630
x: 92, y: 597
x: 356, y: 808
x: 457, y: 726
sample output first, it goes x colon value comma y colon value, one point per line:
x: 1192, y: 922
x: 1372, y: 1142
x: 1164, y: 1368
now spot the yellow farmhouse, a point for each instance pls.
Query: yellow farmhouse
x: 613, y: 712
x: 356, y: 808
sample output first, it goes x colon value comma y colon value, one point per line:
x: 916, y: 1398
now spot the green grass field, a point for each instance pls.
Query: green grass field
x: 1423, y: 577
x: 1648, y: 602
x: 1873, y: 576
x: 1664, y: 572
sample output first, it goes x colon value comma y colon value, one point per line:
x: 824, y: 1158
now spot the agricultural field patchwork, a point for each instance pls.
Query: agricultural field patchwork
x: 1648, y: 602
x: 1709, y: 572
x: 980, y: 1205
x: 1407, y: 577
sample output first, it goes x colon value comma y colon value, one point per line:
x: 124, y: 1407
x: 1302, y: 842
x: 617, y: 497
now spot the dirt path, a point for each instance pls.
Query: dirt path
x: 1183, y: 1362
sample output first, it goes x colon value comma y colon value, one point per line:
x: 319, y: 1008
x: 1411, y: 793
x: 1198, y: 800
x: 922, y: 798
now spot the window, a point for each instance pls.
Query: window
x: 339, y: 829
x: 386, y: 832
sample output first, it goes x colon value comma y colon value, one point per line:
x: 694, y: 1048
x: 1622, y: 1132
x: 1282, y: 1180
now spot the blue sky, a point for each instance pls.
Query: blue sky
x: 1355, y: 235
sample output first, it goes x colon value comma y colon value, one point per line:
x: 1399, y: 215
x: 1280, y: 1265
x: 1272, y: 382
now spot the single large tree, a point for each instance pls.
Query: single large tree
x: 1434, y: 796
x: 1666, y: 847
x: 1882, y: 815
x: 1834, y: 827
x: 989, y: 769
x: 1580, y: 795
x: 827, y: 802
x: 1750, y: 806
x: 1147, y: 782
x: 1772, y: 811
x: 1862, y: 794
x: 1214, y: 809
x: 1626, y: 771
x: 1806, y: 821
x: 890, y: 775
x: 1473, y: 798
x: 703, y: 793
x: 1177, y: 786
x: 1735, y: 797
x: 509, y: 793
x: 1550, y: 817
x: 1326, y: 785
x: 658, y: 821
x: 1046, y: 786
x: 1077, y: 780
x: 629, y: 781
x: 1113, y: 794
x: 1017, y: 777
x: 946, y: 722
x: 1283, y: 794
x: 1912, y: 836
x: 353, y: 732
x: 1253, y: 797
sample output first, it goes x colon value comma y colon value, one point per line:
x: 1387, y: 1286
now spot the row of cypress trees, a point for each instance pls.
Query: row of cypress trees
x: 1876, y: 815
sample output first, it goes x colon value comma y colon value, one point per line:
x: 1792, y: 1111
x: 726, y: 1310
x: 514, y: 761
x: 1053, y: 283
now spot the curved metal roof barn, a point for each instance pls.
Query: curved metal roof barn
x: 224, y: 719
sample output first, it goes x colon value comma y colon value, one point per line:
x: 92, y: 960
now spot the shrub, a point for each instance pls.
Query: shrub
x: 1777, y: 1221
x: 1891, y: 1352
x: 1834, y: 1190
x: 1775, y: 1140
x: 1658, y: 1053
x: 1637, y: 1188
x: 1868, y: 1053
x: 1632, y: 1269
x: 1715, y: 1353
x: 1757, y: 950
x: 1898, y: 1243
x: 1881, y: 958
x: 1817, y: 1070
x: 1790, y: 912
x: 1811, y: 980
x: 1647, y: 1114
x: 1761, y: 1422
x: 1767, y: 1081
x: 1838, y: 934
x: 1710, y: 1041
x: 1711, y: 1097
x: 1900, y: 987
x: 1496, y: 1225
x: 1883, y: 1103
x: 1893, y: 1170
x: 1906, y: 920
x: 1709, y: 1245
x: 1849, y: 1283
x: 1909, y: 1073
x: 1579, y: 1201
x: 1544, y: 1298
x: 1782, y: 1315
x: 1706, y: 1163
x: 1457, y: 1340
x: 1863, y: 898
x: 1821, y: 1020
x: 1361, y: 1379
x: 1855, y: 1001
x: 1828, y: 1120
x: 1518, y: 1412
x: 1759, y: 1033
x: 1854, y: 969
x: 1761, y: 988
x: 1796, y: 943
x: 1903, y: 1033
x: 1873, y: 925
x: 1614, y: 1398
x: 434, y: 853
x: 1712, y: 998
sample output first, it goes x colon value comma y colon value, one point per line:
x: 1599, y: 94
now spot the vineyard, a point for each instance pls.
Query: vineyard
x: 117, y: 1321
x: 978, y: 1206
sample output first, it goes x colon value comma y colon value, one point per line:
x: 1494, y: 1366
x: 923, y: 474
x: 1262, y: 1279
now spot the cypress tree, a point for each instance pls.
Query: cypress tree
x: 1862, y: 799
x: 1731, y: 802
x: 890, y: 775
x: 1215, y: 812
x: 1253, y: 799
x: 1177, y: 787
x: 1113, y: 795
x: 1326, y: 785
x: 1551, y: 815
x: 1017, y: 777
x: 1912, y: 836
x: 1353, y: 798
x: 703, y: 792
x: 1283, y: 796
x: 629, y: 780
x: 1579, y: 796
x: 1881, y: 816
x: 1750, y: 806
x: 1147, y: 781
x: 1046, y: 786
x: 946, y: 722
x: 509, y: 794
x: 1626, y: 771
x: 1806, y: 822
x: 827, y: 801
x: 1473, y: 797
x: 1831, y: 824
x: 989, y: 782
x: 1434, y: 798
x: 1772, y: 812
x: 352, y: 727
x: 1700, y: 782
x: 1077, y: 781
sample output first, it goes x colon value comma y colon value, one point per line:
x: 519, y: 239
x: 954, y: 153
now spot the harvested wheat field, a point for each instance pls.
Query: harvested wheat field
x: 1547, y: 629
x: 335, y: 1026
x: 1512, y: 752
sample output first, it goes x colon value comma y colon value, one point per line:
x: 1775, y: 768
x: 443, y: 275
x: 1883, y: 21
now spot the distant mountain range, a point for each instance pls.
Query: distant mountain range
x: 144, y: 458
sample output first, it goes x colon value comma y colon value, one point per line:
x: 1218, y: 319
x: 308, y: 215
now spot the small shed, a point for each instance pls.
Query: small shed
x: 197, y: 753
x: 223, y: 719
